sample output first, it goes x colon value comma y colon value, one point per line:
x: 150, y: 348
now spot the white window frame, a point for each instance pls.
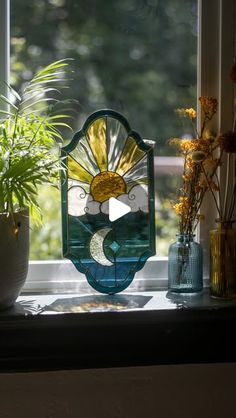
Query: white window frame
x: 4, y: 44
x: 216, y: 50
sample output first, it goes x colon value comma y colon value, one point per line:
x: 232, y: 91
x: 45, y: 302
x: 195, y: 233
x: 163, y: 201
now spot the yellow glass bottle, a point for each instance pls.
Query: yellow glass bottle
x: 223, y: 261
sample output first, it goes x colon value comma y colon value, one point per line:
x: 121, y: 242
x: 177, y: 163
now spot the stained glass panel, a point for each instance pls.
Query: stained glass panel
x: 103, y: 242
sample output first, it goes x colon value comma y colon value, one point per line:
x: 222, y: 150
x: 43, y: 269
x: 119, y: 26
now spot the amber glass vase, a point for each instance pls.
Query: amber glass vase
x: 223, y: 261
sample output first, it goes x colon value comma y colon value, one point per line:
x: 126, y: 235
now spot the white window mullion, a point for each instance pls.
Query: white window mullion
x: 215, y: 55
x: 208, y: 47
x: 208, y: 85
x: 4, y: 45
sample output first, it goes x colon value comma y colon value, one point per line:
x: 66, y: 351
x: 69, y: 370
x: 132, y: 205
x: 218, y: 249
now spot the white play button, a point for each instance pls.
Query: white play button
x: 117, y: 209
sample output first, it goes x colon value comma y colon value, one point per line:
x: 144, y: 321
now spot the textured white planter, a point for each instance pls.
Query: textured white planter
x: 14, y: 256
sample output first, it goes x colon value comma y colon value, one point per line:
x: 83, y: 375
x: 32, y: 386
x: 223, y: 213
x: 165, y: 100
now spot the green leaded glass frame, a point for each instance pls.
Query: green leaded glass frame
x: 107, y: 163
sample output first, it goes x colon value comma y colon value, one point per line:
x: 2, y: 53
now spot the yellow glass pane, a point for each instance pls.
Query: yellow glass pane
x: 107, y: 184
x: 130, y: 156
x: 78, y: 172
x: 96, y: 136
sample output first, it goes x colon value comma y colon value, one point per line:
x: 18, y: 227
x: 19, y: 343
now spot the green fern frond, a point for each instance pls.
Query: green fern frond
x: 29, y: 131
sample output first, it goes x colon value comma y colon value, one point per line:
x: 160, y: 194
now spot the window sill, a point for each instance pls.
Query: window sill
x: 166, y: 330
x: 60, y: 276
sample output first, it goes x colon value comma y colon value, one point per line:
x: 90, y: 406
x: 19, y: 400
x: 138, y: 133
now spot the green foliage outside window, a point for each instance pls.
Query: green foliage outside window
x: 135, y: 56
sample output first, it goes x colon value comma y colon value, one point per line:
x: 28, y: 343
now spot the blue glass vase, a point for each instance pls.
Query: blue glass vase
x: 185, y: 265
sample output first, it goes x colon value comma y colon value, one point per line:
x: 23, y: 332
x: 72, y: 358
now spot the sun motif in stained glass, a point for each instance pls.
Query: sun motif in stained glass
x: 107, y: 184
x: 106, y: 163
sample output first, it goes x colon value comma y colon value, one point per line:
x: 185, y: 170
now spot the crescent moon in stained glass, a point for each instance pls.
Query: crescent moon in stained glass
x: 96, y: 247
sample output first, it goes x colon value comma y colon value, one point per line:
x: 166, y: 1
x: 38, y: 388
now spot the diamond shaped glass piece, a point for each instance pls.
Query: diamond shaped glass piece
x: 114, y: 246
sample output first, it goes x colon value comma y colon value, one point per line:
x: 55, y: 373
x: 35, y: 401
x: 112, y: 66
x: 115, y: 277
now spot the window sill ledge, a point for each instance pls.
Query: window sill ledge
x: 166, y: 330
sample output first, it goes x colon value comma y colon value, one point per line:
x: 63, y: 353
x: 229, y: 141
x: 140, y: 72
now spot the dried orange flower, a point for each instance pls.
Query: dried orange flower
x: 181, y: 208
x: 209, y: 105
x: 188, y: 176
x: 184, y: 199
x: 191, y: 113
x: 186, y: 145
x: 189, y: 164
x: 199, y: 164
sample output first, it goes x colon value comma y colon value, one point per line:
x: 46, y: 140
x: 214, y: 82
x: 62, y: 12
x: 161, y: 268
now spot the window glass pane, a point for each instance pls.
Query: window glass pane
x: 135, y: 56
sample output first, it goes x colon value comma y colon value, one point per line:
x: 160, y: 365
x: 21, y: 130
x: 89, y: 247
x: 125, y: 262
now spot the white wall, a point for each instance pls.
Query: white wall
x: 192, y: 391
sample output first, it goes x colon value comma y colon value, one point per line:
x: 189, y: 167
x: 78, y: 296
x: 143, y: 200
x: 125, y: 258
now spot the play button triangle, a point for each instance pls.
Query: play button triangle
x: 117, y: 209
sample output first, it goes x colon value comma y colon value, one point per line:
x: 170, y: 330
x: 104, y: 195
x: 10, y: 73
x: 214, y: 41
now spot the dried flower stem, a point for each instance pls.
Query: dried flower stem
x: 210, y: 188
x: 198, y: 149
x: 233, y: 194
x: 219, y: 188
x: 226, y: 185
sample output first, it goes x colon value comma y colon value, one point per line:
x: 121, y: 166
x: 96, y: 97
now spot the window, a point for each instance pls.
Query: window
x: 134, y: 66
x: 136, y: 29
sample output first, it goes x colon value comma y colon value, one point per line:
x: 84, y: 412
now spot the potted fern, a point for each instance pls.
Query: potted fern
x: 29, y: 137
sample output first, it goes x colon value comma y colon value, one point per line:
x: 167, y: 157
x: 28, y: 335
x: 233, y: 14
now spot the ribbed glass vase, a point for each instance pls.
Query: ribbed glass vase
x: 223, y: 261
x: 185, y: 265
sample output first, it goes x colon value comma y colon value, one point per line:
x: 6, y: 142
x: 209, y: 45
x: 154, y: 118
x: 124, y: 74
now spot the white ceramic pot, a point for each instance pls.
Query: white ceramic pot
x: 14, y: 256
